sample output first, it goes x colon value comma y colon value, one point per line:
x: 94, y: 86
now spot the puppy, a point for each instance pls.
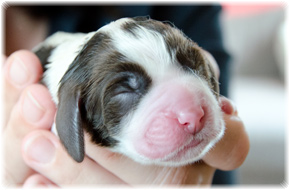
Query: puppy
x: 137, y: 86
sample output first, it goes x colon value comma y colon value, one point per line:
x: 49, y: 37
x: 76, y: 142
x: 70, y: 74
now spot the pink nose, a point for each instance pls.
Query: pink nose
x: 191, y: 120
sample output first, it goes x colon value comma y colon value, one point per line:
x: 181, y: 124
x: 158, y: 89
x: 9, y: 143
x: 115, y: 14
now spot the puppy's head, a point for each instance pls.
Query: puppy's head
x: 141, y: 88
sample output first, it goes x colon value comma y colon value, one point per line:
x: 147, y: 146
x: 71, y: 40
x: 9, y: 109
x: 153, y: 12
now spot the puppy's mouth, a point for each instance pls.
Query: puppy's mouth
x: 182, y: 153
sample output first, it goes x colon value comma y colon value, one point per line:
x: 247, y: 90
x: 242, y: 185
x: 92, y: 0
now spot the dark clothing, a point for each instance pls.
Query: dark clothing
x: 200, y: 23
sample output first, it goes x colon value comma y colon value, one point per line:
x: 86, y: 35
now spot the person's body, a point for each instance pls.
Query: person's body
x: 33, y: 113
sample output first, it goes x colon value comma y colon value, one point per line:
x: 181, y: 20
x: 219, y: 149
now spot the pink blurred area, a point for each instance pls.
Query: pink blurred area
x: 247, y: 9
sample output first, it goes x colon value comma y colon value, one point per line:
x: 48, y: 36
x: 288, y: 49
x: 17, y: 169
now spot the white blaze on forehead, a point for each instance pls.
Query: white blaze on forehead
x: 147, y: 48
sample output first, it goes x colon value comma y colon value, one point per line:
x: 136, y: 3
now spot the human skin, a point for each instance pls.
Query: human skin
x: 35, y: 157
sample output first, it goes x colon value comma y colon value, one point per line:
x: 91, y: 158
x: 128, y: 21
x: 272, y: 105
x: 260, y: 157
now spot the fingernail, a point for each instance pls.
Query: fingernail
x: 40, y: 150
x: 32, y: 109
x: 18, y: 73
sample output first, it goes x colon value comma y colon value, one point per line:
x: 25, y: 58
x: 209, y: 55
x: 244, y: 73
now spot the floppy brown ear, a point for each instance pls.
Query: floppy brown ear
x: 69, y: 123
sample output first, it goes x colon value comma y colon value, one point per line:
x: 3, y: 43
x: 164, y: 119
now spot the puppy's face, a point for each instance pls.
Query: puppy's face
x: 143, y: 89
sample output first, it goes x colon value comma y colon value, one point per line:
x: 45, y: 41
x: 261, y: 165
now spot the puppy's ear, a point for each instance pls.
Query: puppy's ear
x: 69, y: 123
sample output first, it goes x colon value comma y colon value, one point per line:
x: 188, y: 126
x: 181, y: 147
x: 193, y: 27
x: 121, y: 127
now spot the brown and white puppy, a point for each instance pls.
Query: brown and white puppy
x: 137, y: 86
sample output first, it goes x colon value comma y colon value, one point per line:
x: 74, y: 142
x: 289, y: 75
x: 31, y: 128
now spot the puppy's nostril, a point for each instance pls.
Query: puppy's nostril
x: 185, y: 124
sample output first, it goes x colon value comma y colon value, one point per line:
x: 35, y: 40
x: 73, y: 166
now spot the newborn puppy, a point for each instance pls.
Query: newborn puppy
x: 137, y: 86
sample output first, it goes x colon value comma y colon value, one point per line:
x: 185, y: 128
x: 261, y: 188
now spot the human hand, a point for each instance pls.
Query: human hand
x: 27, y: 107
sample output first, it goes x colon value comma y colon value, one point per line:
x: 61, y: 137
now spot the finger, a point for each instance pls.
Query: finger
x: 135, y: 173
x: 38, y: 181
x: 228, y: 106
x: 21, y: 69
x: 43, y: 152
x: 231, y: 151
x: 34, y: 110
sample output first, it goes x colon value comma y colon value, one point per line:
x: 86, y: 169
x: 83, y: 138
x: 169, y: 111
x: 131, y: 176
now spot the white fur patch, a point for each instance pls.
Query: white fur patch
x: 148, y: 49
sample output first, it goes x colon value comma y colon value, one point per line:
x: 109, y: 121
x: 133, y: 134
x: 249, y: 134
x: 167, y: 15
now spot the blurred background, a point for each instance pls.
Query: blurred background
x: 255, y: 36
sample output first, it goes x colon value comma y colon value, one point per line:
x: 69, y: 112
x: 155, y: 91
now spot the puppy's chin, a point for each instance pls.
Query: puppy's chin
x: 161, y: 132
x: 191, y: 152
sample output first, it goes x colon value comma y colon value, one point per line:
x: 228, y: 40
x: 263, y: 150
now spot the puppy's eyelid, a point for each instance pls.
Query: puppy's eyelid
x: 133, y: 83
